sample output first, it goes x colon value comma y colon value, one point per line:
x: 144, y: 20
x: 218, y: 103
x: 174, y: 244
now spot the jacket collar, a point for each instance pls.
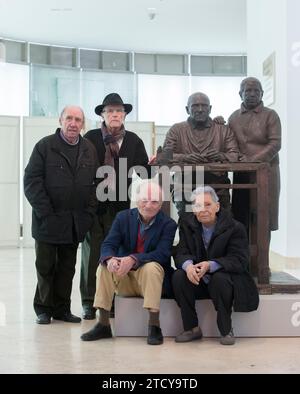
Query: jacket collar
x: 57, y: 141
x: 224, y: 221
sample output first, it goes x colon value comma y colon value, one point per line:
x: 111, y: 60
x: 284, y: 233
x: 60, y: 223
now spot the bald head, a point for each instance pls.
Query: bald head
x: 198, y: 96
x: 72, y: 108
x: 72, y: 122
x: 198, y: 107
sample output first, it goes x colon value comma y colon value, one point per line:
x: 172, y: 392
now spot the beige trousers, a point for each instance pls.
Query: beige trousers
x: 145, y: 282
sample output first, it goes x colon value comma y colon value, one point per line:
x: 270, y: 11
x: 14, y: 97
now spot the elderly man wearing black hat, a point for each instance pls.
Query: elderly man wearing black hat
x: 112, y: 142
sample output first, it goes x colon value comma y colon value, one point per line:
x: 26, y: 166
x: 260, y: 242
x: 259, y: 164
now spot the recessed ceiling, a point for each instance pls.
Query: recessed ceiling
x: 172, y: 26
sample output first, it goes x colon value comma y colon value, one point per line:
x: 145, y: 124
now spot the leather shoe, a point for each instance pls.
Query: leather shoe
x: 155, y: 336
x: 99, y: 331
x: 228, y: 339
x: 190, y: 335
x: 88, y: 313
x: 68, y: 317
x: 43, y: 318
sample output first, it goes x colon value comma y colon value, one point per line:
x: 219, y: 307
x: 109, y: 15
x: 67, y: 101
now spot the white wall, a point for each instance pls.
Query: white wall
x: 163, y: 98
x: 14, y: 89
x: 9, y: 181
x: 266, y: 33
x: 292, y: 56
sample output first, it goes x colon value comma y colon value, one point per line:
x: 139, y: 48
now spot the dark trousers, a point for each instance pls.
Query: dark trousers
x: 219, y: 289
x: 55, y: 266
x: 90, y: 255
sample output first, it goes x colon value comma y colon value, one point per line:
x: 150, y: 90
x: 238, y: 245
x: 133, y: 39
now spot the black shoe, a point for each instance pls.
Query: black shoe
x: 68, y: 317
x: 43, y: 318
x: 155, y: 336
x: 99, y: 331
x: 88, y: 313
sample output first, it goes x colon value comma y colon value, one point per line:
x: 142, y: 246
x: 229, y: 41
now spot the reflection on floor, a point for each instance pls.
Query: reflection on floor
x: 30, y: 348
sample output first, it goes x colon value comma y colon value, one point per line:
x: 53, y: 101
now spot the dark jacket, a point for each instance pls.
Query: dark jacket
x: 228, y: 247
x: 122, y: 239
x: 133, y: 149
x: 63, y: 198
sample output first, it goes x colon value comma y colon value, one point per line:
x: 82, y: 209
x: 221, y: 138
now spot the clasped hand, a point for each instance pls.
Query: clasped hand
x: 213, y: 155
x: 196, y: 271
x: 120, y: 265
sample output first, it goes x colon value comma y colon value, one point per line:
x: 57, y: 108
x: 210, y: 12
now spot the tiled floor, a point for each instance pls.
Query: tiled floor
x: 26, y: 347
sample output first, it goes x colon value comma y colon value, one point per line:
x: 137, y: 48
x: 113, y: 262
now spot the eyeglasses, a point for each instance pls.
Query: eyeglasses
x: 111, y: 111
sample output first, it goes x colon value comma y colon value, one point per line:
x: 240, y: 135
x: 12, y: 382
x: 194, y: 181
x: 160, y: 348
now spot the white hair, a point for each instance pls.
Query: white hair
x: 204, y: 189
x: 72, y: 106
x: 144, y: 184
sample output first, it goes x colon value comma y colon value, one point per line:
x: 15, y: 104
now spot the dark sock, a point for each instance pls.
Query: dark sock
x: 104, y: 317
x: 154, y: 319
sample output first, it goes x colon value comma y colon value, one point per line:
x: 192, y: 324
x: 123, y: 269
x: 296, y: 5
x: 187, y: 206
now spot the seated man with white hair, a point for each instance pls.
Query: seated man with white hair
x: 135, y: 261
x: 212, y: 258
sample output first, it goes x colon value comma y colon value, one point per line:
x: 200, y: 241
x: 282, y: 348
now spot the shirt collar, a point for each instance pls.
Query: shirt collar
x: 145, y: 226
x: 209, y: 229
x: 66, y: 141
x: 257, y: 109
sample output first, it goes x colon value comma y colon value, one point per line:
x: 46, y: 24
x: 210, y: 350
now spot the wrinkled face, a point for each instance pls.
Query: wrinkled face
x: 198, y: 108
x: 114, y: 116
x: 72, y: 122
x: 205, y: 209
x: 251, y: 94
x: 149, y: 202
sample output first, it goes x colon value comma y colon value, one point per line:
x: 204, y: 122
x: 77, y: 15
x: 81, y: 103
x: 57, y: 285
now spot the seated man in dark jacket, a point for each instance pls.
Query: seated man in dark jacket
x: 135, y: 261
x: 212, y: 259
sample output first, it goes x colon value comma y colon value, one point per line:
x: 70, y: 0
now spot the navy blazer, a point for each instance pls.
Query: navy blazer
x: 122, y: 239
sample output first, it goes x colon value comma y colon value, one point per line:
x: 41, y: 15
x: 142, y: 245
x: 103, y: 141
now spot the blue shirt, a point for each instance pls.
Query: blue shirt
x: 143, y: 226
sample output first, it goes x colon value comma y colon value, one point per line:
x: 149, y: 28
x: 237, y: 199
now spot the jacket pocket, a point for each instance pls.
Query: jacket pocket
x: 58, y: 223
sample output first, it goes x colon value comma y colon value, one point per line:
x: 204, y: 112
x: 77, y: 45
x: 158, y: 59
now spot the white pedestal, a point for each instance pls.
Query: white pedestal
x: 277, y: 315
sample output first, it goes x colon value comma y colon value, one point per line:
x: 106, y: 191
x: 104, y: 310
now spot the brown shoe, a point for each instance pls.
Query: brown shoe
x: 190, y: 335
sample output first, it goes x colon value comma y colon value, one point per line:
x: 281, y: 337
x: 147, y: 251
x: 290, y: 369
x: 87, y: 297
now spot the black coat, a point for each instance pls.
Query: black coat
x: 133, y: 149
x: 228, y: 247
x: 62, y: 197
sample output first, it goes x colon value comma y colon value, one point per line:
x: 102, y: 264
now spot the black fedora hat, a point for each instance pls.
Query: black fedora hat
x: 112, y: 99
